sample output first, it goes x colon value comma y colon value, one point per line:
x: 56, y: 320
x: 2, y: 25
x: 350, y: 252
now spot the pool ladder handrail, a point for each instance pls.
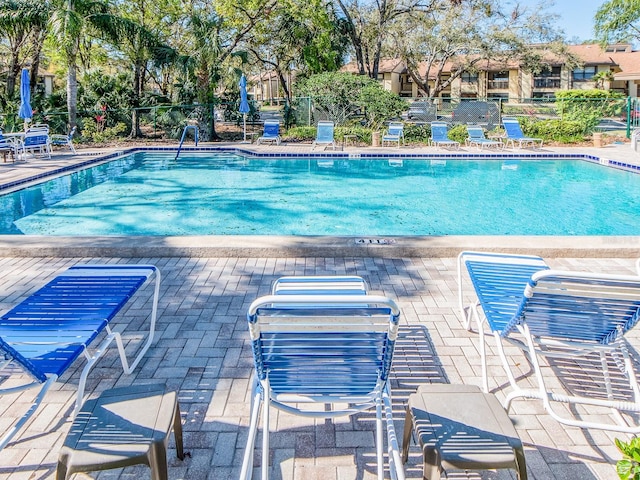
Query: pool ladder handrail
x: 184, y: 134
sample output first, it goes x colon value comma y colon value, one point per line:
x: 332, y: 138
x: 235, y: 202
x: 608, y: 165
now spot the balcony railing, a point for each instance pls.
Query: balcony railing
x: 545, y: 82
x: 498, y: 84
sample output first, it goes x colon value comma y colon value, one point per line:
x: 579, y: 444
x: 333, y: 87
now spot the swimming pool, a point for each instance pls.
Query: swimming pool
x: 229, y: 194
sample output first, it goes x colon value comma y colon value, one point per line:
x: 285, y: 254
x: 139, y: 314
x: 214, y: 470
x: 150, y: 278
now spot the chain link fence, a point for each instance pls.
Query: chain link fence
x: 222, y: 121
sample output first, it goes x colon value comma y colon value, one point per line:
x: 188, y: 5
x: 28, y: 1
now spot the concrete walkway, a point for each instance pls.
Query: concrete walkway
x: 202, y: 350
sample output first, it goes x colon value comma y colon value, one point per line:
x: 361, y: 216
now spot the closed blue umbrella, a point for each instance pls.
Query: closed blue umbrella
x: 25, y: 111
x: 244, y: 104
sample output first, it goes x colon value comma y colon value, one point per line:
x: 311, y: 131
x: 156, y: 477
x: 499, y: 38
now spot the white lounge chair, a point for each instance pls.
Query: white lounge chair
x: 560, y: 316
x: 332, y: 347
x: 515, y: 134
x: 64, y: 140
x: 395, y: 133
x: 324, y: 135
x: 44, y: 335
x: 440, y: 137
x: 36, y: 141
x: 477, y: 138
x: 271, y: 133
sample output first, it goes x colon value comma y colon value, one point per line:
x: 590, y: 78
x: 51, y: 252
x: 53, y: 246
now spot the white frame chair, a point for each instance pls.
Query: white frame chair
x: 395, y: 133
x: 325, y: 131
x: 556, y: 315
x: 334, y: 329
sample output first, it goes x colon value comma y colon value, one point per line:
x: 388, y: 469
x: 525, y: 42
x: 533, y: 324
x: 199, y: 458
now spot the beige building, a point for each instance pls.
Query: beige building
x: 509, y: 83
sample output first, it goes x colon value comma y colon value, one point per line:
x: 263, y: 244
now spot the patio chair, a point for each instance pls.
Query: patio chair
x: 36, y: 141
x: 44, y: 335
x: 439, y: 136
x: 9, y: 146
x: 477, y: 138
x: 64, y: 140
x: 395, y: 133
x: 324, y: 135
x: 515, y: 134
x: 271, y: 133
x: 560, y: 316
x: 322, y: 355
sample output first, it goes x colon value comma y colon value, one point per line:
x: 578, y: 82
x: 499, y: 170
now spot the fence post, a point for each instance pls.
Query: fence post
x: 629, y: 117
x: 309, y: 111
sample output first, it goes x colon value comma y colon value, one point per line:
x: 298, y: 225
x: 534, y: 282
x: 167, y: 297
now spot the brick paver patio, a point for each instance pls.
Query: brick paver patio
x: 202, y: 349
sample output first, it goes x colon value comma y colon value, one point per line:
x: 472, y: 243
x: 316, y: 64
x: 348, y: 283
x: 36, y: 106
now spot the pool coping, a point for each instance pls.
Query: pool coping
x: 315, y: 246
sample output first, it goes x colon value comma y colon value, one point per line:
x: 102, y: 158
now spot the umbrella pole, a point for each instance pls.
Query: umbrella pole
x: 244, y: 126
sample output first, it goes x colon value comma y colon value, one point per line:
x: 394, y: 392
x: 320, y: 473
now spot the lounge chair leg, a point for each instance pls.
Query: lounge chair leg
x: 406, y: 437
x: 247, y: 462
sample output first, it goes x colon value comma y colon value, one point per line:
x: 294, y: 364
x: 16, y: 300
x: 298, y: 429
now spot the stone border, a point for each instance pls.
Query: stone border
x: 316, y: 246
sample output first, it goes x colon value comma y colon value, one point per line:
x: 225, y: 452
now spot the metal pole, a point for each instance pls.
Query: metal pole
x: 629, y: 117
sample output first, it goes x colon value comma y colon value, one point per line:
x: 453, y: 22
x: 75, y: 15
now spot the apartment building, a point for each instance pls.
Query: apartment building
x: 511, y: 84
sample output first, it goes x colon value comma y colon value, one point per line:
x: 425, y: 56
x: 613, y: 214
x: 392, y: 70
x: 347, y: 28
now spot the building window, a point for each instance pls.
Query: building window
x: 584, y: 74
x: 547, y: 78
x: 498, y: 96
x: 549, y: 96
x: 468, y: 77
x: 498, y: 80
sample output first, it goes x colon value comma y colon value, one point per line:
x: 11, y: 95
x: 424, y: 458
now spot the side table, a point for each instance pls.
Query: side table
x: 347, y: 138
x: 122, y: 427
x: 461, y: 427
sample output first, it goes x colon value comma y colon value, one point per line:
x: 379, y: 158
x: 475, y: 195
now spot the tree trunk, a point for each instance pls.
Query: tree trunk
x: 72, y: 91
x: 12, y: 76
x: 135, y: 114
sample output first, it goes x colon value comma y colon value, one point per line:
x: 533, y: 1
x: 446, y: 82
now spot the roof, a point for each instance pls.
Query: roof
x: 619, y: 57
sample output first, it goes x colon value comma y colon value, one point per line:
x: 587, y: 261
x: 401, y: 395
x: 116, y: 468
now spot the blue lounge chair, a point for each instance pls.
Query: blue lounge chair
x: 8, y: 146
x: 439, y: 136
x: 322, y: 349
x: 36, y: 141
x: 515, y: 134
x: 271, y: 133
x: 558, y: 315
x: 477, y: 138
x: 324, y: 135
x: 395, y: 133
x: 64, y: 140
x: 47, y: 332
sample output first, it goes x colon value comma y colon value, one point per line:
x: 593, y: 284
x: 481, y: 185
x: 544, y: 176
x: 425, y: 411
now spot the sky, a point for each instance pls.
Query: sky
x: 575, y: 16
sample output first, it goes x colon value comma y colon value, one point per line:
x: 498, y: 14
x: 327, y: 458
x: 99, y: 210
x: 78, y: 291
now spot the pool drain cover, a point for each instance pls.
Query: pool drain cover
x: 375, y: 241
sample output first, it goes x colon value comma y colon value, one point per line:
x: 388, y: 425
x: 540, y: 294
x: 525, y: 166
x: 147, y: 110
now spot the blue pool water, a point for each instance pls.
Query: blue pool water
x: 227, y: 194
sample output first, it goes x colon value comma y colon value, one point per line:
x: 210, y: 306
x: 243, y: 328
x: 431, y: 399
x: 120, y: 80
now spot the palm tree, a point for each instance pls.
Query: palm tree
x: 75, y: 20
x: 22, y: 23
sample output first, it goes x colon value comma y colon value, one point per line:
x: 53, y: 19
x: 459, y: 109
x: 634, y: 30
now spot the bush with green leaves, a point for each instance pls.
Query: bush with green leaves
x: 341, y: 96
x: 458, y: 133
x: 380, y: 105
x: 628, y: 467
x: 562, y: 131
x: 308, y: 134
x: 417, y: 133
x: 589, y: 106
x: 95, y: 133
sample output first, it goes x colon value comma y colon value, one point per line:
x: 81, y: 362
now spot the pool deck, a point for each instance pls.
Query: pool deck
x: 202, y: 349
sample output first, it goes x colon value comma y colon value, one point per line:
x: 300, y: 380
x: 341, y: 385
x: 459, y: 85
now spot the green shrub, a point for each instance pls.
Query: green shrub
x: 563, y: 131
x: 629, y: 467
x: 589, y: 106
x: 92, y: 132
x: 458, y: 133
x: 417, y: 133
x: 308, y: 134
